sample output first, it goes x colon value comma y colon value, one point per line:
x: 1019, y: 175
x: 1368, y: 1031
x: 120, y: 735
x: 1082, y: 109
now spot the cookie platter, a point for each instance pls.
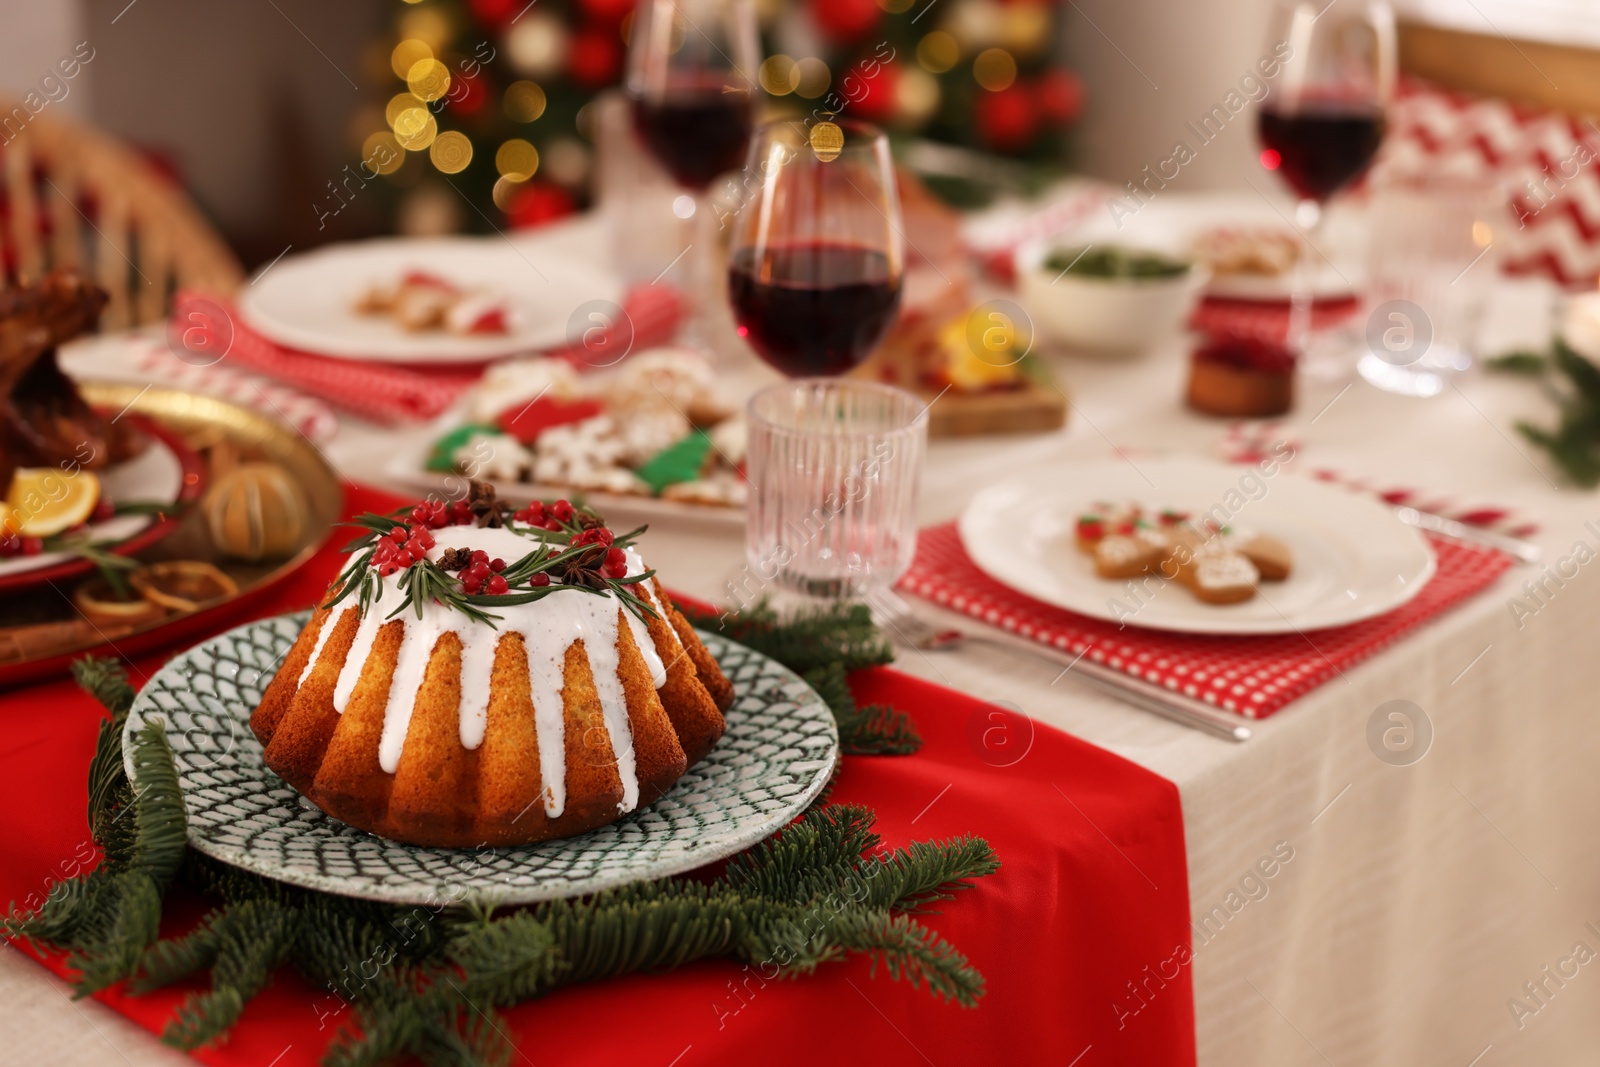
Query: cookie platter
x: 1349, y: 558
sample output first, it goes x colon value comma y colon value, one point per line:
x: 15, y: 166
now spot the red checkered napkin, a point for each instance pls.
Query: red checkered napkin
x: 1254, y: 676
x: 387, y: 392
x: 1265, y: 318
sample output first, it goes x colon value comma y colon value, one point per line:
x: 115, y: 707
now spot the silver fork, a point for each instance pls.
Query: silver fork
x: 910, y: 629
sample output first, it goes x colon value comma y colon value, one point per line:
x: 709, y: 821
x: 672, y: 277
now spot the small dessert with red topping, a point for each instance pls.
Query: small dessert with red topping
x: 1241, y: 377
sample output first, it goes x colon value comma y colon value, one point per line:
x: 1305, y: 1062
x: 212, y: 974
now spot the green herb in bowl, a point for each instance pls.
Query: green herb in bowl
x: 1115, y: 263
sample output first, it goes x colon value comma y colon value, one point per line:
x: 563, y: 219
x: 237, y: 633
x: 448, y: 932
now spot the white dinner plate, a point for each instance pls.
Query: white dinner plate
x: 308, y: 301
x: 155, y: 476
x: 1353, y: 559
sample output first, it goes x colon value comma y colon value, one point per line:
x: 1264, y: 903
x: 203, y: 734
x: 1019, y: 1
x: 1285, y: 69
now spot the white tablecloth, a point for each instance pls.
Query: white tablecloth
x: 1419, y: 900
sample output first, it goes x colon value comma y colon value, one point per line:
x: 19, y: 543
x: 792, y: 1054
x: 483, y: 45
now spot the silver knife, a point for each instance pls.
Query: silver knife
x: 1525, y: 551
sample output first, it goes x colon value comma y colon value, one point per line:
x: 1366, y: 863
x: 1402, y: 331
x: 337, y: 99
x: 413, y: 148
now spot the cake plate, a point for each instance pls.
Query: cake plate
x: 776, y: 756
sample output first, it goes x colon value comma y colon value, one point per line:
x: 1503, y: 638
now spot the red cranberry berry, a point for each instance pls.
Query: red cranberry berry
x: 540, y: 580
x: 497, y: 585
x: 616, y: 558
x: 536, y: 512
x: 420, y: 513
x: 497, y: 564
x: 479, y: 556
x: 32, y: 546
x: 103, y: 510
x: 562, y: 510
x: 471, y: 587
x: 398, y: 534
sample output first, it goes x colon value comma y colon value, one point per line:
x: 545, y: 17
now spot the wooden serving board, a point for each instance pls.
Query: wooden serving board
x: 1034, y: 408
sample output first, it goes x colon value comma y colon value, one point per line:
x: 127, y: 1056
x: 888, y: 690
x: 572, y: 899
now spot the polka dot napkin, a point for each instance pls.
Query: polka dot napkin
x: 1254, y: 676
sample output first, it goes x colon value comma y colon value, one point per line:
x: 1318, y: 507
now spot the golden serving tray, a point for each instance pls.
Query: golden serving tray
x: 42, y: 631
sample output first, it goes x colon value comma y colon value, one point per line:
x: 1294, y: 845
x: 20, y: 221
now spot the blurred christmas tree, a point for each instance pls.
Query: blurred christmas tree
x: 490, y: 96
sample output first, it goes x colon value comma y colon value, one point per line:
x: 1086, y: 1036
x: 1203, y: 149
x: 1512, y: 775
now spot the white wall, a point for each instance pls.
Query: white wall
x: 34, y: 36
x: 1150, y: 66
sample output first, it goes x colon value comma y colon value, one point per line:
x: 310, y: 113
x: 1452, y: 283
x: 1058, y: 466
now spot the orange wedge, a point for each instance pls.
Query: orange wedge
x: 45, y: 501
x: 8, y: 521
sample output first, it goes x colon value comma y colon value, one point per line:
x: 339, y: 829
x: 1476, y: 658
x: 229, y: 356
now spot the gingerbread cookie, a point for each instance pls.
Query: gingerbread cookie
x: 1218, y: 575
x: 1106, y: 519
x: 1132, y: 554
x: 1271, y: 556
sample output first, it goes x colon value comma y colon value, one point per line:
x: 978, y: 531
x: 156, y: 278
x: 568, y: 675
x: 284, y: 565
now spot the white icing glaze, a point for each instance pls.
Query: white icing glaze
x: 548, y: 627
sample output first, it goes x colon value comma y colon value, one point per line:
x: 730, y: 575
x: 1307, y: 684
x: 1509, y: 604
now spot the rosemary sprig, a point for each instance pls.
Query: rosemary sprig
x: 424, y: 581
x: 109, y: 564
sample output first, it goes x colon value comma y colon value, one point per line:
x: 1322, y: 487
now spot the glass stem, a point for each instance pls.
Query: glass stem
x: 699, y: 280
x: 1308, y: 216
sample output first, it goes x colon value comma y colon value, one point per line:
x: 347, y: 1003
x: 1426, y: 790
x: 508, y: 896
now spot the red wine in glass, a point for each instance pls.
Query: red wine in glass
x: 815, y: 308
x: 1322, y: 147
x: 696, y: 131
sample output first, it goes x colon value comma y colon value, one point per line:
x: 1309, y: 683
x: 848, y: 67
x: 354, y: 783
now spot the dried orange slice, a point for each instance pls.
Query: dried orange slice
x: 102, y: 605
x: 45, y: 501
x: 182, y: 584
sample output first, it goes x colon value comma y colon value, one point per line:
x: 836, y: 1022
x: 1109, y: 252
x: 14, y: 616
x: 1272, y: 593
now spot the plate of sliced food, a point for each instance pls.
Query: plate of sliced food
x: 416, y: 300
x: 1196, y: 546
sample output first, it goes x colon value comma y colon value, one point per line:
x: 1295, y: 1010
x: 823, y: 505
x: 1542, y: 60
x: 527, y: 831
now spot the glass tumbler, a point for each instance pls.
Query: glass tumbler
x: 1430, y: 265
x: 833, y: 467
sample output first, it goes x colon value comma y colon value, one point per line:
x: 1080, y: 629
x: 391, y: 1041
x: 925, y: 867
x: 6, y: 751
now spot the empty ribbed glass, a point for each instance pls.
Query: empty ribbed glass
x: 833, y: 466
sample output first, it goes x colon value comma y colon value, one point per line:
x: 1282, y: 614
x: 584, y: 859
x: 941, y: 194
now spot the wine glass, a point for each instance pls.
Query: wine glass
x: 817, y: 253
x: 1323, y: 121
x: 691, y: 83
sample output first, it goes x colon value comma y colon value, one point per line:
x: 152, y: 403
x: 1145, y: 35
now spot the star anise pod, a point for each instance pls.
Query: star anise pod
x: 485, y: 508
x: 583, y: 569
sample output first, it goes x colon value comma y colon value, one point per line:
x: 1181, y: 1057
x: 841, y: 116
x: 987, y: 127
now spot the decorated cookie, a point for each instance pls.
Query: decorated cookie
x: 1129, y: 555
x: 1271, y: 556
x: 1218, y: 575
x: 1105, y: 519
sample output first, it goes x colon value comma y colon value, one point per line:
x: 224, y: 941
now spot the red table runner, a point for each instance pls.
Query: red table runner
x: 1082, y: 935
x: 1254, y: 676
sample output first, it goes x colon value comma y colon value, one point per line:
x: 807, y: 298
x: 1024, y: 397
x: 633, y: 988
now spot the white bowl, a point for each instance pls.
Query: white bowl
x: 1106, y: 316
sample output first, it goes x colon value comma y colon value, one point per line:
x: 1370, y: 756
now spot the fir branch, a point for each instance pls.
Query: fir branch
x: 160, y: 817
x: 841, y: 633
x: 875, y: 730
x: 912, y: 878
x: 250, y: 940
x: 176, y: 958
x: 123, y: 917
x: 1530, y: 364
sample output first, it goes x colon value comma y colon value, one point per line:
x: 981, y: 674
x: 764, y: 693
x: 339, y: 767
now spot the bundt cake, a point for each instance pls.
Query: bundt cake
x: 482, y: 676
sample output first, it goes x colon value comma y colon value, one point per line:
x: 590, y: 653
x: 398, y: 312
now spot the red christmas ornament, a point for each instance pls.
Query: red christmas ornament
x: 869, y: 89
x: 1059, y: 95
x: 844, y: 21
x: 594, y: 57
x: 1006, y: 120
x: 467, y: 95
x: 493, y: 13
x: 537, y: 203
x: 607, y: 12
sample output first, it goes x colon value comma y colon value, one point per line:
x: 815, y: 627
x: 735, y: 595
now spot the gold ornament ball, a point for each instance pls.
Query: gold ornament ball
x: 938, y: 51
x: 523, y: 102
x: 517, y: 160
x: 814, y: 77
x: 428, y: 79
x: 415, y: 129
x: 994, y: 69
x: 451, y: 151
x: 779, y: 75
x: 407, y: 54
